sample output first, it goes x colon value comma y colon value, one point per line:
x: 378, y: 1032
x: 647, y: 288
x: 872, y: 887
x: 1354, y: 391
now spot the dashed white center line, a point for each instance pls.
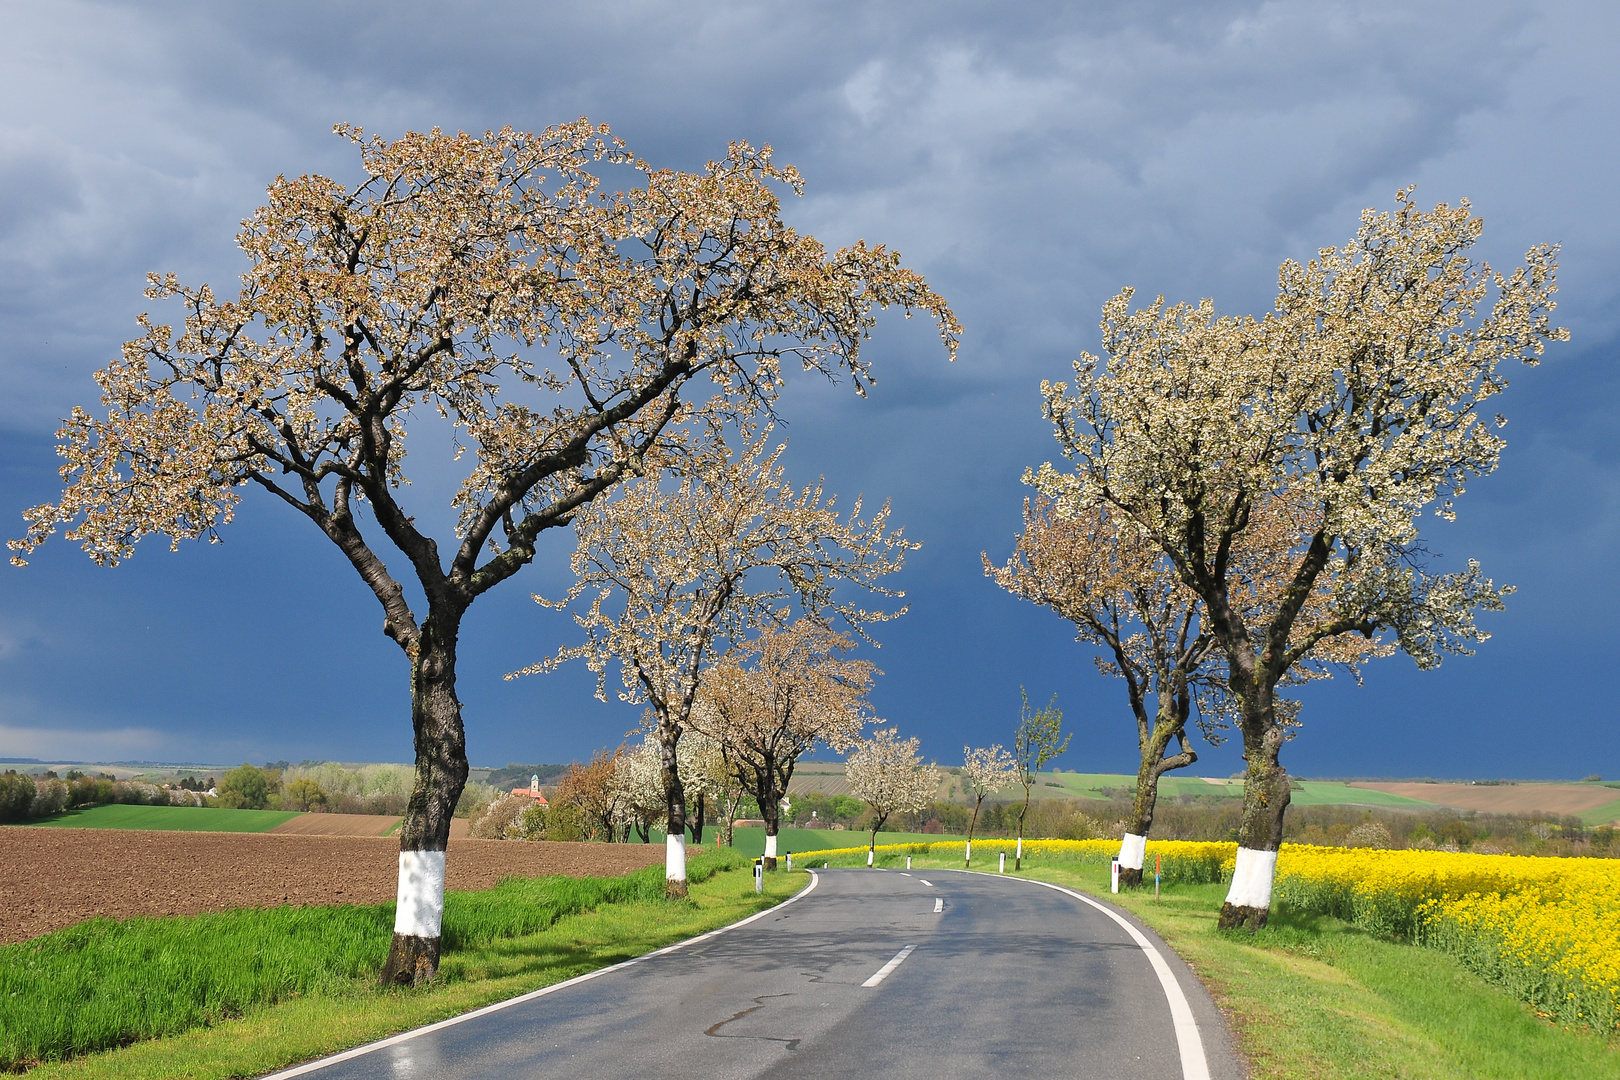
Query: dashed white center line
x: 930, y: 884
x: 884, y: 971
x: 904, y: 874
x: 939, y: 904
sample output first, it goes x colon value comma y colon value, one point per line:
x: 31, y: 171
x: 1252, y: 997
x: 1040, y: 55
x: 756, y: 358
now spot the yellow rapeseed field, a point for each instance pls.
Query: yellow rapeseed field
x: 1546, y: 929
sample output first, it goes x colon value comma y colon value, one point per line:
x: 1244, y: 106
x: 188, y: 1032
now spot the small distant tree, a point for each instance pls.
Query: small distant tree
x: 561, y: 336
x: 304, y: 794
x: 776, y: 696
x: 711, y: 784
x: 245, y: 787
x: 1359, y: 403
x: 590, y: 787
x: 984, y: 772
x: 888, y: 774
x: 1039, y: 739
x: 680, y: 572
x: 639, y: 784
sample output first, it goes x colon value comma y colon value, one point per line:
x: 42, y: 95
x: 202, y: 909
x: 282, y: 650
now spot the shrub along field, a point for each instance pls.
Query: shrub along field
x: 1317, y: 996
x: 104, y: 984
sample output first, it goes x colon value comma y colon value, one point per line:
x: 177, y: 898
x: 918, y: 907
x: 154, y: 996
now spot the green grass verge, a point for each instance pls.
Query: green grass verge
x: 243, y: 993
x: 1312, y: 997
x: 168, y: 819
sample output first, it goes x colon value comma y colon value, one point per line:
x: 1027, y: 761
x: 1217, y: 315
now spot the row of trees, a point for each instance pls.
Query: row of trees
x: 1240, y: 507
x: 574, y: 340
x: 23, y: 798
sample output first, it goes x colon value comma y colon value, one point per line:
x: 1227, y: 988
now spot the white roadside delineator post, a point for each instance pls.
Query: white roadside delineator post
x: 759, y: 875
x: 1003, y: 868
x: 790, y: 860
x: 908, y: 862
x: 1113, y: 872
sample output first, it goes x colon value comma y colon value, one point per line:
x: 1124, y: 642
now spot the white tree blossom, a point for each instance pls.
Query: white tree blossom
x: 887, y: 772
x: 986, y: 771
x: 1356, y: 404
x: 681, y: 572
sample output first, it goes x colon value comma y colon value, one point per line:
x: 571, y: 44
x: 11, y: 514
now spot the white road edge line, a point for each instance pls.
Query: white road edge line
x: 939, y: 904
x: 884, y: 971
x: 321, y: 1063
x: 1194, y: 1065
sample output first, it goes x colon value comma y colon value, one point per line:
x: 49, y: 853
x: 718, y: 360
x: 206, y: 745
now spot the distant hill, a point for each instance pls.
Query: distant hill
x: 515, y: 775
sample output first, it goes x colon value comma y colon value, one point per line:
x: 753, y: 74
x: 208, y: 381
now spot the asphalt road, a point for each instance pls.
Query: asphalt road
x: 933, y: 975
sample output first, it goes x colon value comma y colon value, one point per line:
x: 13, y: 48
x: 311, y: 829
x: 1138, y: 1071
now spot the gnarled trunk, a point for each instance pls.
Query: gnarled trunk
x: 441, y: 773
x: 1265, y: 800
x: 1133, y: 849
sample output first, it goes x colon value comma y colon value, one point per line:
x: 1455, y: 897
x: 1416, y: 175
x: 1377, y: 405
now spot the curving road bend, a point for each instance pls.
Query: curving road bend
x: 933, y: 975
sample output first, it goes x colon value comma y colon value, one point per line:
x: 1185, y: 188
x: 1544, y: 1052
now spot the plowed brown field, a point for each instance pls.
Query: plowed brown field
x: 51, y: 878
x: 1507, y: 798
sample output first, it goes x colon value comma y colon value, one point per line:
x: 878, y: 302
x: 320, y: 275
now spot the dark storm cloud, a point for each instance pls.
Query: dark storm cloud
x: 1029, y: 160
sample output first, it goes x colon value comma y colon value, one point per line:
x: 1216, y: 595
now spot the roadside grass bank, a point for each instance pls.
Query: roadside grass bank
x: 1315, y: 996
x: 166, y: 818
x: 246, y: 992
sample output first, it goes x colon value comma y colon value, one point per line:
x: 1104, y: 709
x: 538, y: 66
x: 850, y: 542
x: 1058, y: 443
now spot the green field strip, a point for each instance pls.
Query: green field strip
x: 1607, y: 814
x: 169, y: 819
x: 1329, y: 793
x: 1308, y: 793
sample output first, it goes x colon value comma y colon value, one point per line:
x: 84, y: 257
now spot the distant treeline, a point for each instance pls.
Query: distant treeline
x: 25, y: 798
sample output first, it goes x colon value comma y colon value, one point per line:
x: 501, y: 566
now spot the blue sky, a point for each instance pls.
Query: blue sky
x: 1028, y: 161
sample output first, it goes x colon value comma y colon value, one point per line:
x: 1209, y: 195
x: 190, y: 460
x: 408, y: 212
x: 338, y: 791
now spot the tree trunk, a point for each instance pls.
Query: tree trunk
x: 441, y: 773
x: 1018, y: 859
x: 773, y: 824
x: 967, y: 849
x: 696, y: 824
x: 669, y: 737
x: 1265, y: 800
x: 1133, y: 849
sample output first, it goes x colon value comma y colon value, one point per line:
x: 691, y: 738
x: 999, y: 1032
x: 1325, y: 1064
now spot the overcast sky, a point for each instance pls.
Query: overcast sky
x: 1028, y: 160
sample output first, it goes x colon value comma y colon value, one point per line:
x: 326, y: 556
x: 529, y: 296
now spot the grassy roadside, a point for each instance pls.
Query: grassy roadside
x: 352, y: 1012
x: 1313, y: 997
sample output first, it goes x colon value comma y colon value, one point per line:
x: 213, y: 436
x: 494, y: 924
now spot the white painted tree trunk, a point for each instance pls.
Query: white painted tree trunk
x: 1252, y: 879
x: 1132, y: 852
x: 675, y: 857
x: 419, y: 907
x: 770, y: 847
x: 967, y: 854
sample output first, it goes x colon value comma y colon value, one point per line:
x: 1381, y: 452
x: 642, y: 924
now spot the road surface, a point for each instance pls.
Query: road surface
x: 933, y: 975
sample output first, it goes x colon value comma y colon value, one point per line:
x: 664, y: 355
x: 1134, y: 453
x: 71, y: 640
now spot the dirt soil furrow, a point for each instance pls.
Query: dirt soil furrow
x: 56, y: 877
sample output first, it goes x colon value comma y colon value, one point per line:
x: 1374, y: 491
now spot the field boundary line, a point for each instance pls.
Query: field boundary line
x: 393, y: 1040
x: 1194, y: 1062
